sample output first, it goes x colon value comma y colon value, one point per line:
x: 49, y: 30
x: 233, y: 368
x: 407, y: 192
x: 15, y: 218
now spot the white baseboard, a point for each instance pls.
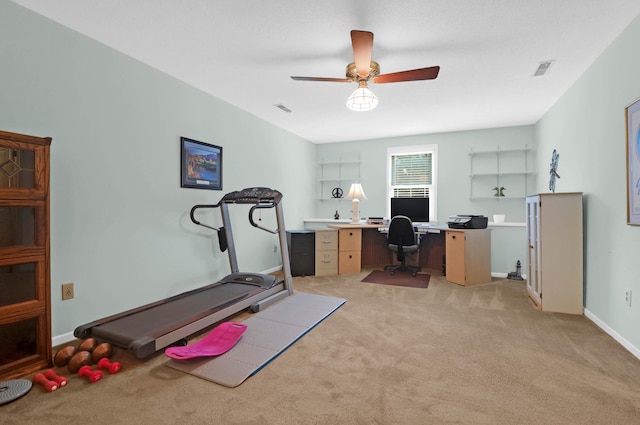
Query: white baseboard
x: 62, y: 339
x: 272, y: 270
x: 505, y: 275
x: 615, y: 335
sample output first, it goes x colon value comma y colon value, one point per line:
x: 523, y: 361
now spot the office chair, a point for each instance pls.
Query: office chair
x: 401, y: 239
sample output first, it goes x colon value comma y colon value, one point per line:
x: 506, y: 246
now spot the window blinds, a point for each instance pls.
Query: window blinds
x: 411, y: 175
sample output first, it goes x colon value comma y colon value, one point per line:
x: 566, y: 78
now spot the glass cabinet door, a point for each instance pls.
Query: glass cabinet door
x: 25, y: 329
x: 17, y: 168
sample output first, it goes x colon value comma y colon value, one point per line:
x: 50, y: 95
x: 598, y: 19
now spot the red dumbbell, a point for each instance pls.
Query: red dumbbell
x: 114, y: 367
x: 93, y: 375
x: 42, y: 380
x: 51, y: 375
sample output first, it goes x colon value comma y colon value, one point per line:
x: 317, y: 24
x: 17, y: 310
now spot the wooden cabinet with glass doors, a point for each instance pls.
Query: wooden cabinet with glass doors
x: 25, y: 315
x: 555, y: 253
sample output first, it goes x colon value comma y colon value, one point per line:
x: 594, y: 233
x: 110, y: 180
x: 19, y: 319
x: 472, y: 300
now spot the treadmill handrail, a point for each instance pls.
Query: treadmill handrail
x: 254, y: 224
x: 193, y: 210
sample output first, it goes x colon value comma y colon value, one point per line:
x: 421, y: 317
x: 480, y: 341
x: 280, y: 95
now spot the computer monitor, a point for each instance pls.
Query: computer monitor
x: 417, y: 209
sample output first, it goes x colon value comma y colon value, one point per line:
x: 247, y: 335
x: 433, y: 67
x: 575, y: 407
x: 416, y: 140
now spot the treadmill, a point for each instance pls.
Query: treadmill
x: 151, y: 327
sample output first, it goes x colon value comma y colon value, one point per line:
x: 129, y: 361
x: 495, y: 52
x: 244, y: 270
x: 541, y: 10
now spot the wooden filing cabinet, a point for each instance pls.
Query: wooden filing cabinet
x: 301, y: 252
x: 349, y: 250
x: 468, y: 256
x: 326, y: 252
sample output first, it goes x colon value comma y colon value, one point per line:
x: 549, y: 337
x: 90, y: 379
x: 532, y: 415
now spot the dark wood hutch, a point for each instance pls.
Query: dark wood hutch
x: 25, y: 294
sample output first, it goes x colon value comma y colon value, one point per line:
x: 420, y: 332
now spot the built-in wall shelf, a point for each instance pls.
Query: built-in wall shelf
x: 499, y: 174
x: 336, y: 174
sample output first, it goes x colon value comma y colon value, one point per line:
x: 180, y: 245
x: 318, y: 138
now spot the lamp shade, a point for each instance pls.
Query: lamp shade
x: 356, y: 192
x: 362, y: 99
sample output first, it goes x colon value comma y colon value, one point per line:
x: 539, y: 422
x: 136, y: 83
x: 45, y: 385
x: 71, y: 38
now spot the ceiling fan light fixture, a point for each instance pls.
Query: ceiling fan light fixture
x: 362, y: 99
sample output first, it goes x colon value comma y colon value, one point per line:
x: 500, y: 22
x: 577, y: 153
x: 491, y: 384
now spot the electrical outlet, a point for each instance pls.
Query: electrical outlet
x: 67, y: 291
x: 275, y: 248
x: 627, y: 296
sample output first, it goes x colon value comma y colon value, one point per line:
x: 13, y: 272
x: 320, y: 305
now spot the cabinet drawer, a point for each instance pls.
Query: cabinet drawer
x: 326, y: 240
x: 326, y: 263
x: 301, y: 241
x: 302, y: 265
x: 350, y: 240
x: 349, y: 262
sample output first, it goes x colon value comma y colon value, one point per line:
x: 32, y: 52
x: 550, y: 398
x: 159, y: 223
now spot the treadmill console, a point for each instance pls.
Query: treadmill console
x: 253, y: 195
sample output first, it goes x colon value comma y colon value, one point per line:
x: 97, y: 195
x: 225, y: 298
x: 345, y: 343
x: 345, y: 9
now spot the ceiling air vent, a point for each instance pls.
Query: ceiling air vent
x: 284, y: 108
x: 543, y: 68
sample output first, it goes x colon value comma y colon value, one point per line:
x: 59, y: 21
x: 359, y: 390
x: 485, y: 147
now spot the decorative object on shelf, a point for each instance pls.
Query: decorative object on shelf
x: 491, y: 170
x: 336, y: 215
x: 356, y: 193
x: 517, y: 274
x: 633, y: 163
x: 335, y: 175
x: 499, y: 191
x: 552, y: 170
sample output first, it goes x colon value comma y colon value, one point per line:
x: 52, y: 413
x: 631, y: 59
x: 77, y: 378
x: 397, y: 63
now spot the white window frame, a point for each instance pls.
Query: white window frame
x: 433, y: 187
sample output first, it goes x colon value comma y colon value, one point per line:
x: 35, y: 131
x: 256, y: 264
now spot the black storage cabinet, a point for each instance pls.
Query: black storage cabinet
x: 302, y: 252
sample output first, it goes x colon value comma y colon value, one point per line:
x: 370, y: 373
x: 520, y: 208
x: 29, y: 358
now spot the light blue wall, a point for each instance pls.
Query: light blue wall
x: 120, y: 227
x: 587, y: 127
x: 508, y: 243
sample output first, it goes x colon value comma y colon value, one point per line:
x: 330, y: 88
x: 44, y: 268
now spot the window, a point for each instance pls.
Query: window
x: 412, y: 173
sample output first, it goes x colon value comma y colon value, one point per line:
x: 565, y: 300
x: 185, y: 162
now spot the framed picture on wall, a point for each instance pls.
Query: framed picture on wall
x: 632, y: 116
x: 201, y: 164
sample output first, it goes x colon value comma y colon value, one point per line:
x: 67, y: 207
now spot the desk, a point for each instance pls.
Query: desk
x: 375, y: 252
x: 468, y: 252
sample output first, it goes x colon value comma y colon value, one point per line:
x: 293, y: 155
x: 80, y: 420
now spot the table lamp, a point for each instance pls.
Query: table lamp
x: 356, y: 193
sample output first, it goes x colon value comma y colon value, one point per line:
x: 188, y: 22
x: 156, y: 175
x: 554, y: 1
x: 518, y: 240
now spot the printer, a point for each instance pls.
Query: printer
x: 467, y: 221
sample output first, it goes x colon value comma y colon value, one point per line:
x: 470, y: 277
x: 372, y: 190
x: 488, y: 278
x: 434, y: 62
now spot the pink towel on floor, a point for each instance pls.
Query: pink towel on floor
x: 219, y: 341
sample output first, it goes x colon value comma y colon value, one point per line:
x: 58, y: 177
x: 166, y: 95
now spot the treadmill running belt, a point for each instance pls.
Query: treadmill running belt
x: 172, y: 314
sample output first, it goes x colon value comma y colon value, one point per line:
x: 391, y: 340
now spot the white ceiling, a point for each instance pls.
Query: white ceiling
x: 244, y: 52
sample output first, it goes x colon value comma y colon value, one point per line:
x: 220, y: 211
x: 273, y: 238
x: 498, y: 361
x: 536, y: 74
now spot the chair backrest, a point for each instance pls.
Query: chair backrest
x: 401, y: 231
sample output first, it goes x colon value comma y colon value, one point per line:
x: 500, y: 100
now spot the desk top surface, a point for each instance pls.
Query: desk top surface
x: 431, y: 228
x: 353, y: 226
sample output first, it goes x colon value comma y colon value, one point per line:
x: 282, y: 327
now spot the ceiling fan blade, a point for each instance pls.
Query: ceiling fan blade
x: 335, y: 80
x: 362, y: 42
x: 412, y: 75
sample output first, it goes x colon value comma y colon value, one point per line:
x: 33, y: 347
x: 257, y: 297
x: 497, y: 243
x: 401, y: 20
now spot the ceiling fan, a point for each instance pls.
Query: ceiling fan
x: 363, y: 69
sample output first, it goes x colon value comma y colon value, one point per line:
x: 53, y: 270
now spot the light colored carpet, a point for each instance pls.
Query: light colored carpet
x: 389, y: 355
